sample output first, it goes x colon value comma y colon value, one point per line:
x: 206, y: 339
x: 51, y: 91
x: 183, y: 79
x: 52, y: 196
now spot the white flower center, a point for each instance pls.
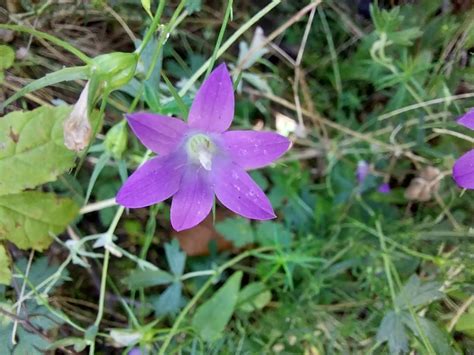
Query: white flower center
x: 201, y: 149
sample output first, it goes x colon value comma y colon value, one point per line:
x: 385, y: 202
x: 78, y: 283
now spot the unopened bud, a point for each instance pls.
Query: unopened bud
x: 77, y: 128
x: 116, y: 140
x: 115, y: 69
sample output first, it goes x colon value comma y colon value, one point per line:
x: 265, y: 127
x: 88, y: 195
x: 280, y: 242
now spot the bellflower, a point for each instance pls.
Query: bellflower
x: 200, y: 159
x: 463, y: 169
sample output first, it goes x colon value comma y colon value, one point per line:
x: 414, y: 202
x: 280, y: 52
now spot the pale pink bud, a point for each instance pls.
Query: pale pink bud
x: 77, y: 128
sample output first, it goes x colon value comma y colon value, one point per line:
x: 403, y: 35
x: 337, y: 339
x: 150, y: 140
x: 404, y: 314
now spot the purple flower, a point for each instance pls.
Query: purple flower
x: 362, y: 171
x: 201, y: 159
x: 384, y: 188
x: 135, y: 351
x: 463, y: 169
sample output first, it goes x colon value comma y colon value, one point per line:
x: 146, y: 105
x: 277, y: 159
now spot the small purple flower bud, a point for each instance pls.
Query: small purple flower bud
x: 463, y: 169
x: 384, y: 188
x: 135, y: 351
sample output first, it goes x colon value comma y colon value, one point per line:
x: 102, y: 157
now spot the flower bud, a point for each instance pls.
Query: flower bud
x: 115, y: 69
x: 77, y: 128
x: 116, y: 140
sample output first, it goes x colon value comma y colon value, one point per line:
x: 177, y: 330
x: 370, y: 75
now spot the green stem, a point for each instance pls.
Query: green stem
x: 386, y: 262
x: 153, y: 27
x: 228, y: 11
x: 230, y: 41
x: 103, y: 284
x: 163, y: 37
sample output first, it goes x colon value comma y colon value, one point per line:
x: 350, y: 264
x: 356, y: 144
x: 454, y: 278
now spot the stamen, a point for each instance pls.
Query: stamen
x: 201, y: 149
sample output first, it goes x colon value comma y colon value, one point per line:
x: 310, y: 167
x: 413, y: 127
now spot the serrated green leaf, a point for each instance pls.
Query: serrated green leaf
x: 414, y: 293
x: 147, y: 278
x: 272, y: 233
x: 7, y: 56
x: 212, y: 316
x: 30, y: 343
x: 169, y: 302
x: 392, y: 330
x: 254, y: 296
x: 32, y: 150
x: 5, y: 272
x: 175, y: 257
x: 28, y: 219
x: 237, y: 230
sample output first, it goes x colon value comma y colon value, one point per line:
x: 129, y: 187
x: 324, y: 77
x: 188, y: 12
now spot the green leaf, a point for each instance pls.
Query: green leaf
x: 30, y: 343
x: 146, y: 278
x: 7, y: 56
x: 414, y: 293
x: 193, y: 6
x: 237, y: 230
x: 254, y: 296
x: 179, y: 101
x: 79, y: 344
x: 65, y: 74
x: 147, y: 7
x: 5, y: 272
x: 29, y: 218
x: 272, y: 233
x: 466, y: 324
x: 169, y: 302
x: 212, y: 316
x: 32, y: 150
x: 437, y: 338
x: 40, y: 270
x: 176, y: 258
x: 391, y: 330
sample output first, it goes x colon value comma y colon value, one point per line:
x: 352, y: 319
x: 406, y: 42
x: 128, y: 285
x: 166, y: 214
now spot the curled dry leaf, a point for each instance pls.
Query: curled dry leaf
x: 195, y: 241
x: 423, y: 186
x: 77, y: 127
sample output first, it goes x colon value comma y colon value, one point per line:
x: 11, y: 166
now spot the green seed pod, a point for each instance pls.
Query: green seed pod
x: 115, y: 69
x: 116, y: 140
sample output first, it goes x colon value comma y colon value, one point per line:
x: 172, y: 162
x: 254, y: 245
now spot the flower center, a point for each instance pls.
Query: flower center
x: 200, y: 149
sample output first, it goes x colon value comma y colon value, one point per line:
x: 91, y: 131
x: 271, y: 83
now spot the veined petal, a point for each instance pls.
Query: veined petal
x: 194, y: 199
x: 468, y: 119
x: 251, y: 149
x: 213, y: 106
x: 153, y: 182
x: 160, y: 134
x: 236, y: 190
x: 463, y: 170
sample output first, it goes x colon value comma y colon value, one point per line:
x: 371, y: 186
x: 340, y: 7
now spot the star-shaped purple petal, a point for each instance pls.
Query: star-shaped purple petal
x: 201, y: 159
x: 463, y: 169
x: 468, y: 119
